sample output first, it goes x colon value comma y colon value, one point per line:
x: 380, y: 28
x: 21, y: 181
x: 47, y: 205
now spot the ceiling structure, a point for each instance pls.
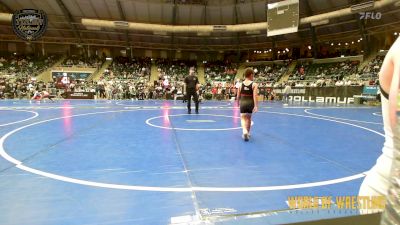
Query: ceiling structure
x: 65, y: 22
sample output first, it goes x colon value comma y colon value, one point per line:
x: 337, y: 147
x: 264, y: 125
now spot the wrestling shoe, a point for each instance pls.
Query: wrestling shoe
x: 246, y: 137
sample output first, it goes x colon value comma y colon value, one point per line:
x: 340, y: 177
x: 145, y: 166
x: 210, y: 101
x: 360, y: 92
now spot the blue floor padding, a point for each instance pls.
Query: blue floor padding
x: 109, y: 142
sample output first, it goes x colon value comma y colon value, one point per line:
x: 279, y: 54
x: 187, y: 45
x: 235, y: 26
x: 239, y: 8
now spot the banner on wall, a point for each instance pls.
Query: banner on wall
x: 342, y: 95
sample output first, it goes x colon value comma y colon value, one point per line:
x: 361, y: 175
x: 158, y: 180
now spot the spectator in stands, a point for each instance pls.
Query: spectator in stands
x: 339, y: 83
x: 285, y: 93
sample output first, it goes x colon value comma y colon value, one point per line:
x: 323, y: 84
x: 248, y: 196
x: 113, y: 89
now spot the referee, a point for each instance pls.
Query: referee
x: 191, y: 87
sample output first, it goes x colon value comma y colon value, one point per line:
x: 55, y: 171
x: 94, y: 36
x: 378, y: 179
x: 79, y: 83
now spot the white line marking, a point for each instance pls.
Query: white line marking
x: 181, y: 220
x: 200, y: 121
x: 36, y: 107
x: 187, y: 189
x: 130, y: 105
x: 321, y: 118
x: 19, y: 165
x: 171, y: 104
x: 191, y: 129
x: 20, y: 121
x: 296, y: 107
x: 377, y: 114
x: 338, y: 118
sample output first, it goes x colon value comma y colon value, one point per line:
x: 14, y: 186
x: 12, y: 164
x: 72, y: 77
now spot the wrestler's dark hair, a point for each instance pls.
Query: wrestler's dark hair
x: 248, y: 72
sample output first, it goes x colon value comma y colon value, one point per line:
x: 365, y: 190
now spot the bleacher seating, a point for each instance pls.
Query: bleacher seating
x: 124, y: 68
x: 125, y: 78
x: 129, y: 78
x: 220, y: 71
x: 371, y: 70
x: 174, y: 70
x: 80, y: 61
x: 325, y: 74
x: 25, y: 65
x: 269, y: 73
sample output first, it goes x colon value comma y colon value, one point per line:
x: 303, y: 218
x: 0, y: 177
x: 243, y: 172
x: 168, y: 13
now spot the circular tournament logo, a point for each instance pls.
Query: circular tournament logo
x: 29, y: 24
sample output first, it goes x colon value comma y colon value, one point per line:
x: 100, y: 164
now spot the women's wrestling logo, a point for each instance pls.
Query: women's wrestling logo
x: 29, y: 24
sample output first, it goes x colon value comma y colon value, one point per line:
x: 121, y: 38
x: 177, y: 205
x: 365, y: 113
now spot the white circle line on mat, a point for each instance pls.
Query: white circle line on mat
x: 160, y: 105
x: 377, y: 114
x: 339, y: 118
x: 20, y: 165
x: 35, y: 114
x: 192, y: 129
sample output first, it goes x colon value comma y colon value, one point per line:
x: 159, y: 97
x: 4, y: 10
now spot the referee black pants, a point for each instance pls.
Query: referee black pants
x: 189, y: 95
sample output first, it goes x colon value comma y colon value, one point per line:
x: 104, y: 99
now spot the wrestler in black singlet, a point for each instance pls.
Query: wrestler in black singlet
x: 383, y: 92
x: 246, y: 98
